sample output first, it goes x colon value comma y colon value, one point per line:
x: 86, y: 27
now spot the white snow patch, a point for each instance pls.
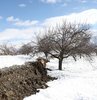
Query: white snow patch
x: 77, y: 81
x: 7, y: 61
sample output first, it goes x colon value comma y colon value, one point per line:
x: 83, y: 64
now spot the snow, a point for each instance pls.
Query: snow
x: 7, y: 61
x: 77, y: 80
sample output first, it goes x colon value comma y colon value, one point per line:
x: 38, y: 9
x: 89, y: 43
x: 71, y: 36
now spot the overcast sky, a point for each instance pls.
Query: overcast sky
x: 20, y: 19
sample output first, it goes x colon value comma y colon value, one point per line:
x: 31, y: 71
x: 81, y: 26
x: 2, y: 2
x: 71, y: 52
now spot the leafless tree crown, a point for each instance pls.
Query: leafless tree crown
x: 67, y: 40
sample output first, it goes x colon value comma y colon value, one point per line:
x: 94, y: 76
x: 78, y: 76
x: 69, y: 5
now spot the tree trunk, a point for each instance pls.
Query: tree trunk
x: 60, y: 64
x: 46, y: 54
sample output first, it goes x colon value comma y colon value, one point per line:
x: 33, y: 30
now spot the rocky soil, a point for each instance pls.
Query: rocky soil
x: 18, y: 81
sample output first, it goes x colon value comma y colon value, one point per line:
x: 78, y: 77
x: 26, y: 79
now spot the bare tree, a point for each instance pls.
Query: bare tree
x: 6, y: 49
x: 43, y: 45
x: 67, y: 40
x: 26, y: 49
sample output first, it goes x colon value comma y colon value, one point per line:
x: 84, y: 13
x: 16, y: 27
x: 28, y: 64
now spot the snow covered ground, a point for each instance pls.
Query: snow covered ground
x: 7, y: 61
x: 77, y: 80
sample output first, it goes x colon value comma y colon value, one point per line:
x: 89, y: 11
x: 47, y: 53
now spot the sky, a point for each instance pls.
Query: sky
x: 20, y: 20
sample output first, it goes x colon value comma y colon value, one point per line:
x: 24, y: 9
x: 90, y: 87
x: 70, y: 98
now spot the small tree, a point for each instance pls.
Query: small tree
x: 43, y: 45
x: 67, y: 40
x: 26, y: 49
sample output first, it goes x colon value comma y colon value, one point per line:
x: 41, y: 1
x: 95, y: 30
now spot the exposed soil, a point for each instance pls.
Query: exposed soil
x: 18, y: 81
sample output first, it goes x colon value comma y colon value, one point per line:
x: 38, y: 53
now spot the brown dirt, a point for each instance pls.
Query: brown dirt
x: 18, y: 81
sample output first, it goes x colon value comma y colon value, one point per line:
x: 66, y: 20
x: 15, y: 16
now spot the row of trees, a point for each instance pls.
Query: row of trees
x: 7, y: 49
x: 62, y: 42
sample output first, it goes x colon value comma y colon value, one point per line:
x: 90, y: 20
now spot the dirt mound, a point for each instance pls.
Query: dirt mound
x: 18, y: 82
